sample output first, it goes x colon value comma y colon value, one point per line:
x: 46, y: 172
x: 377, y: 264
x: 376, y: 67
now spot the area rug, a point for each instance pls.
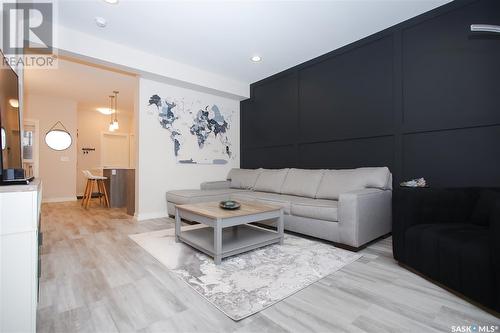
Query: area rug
x: 250, y: 282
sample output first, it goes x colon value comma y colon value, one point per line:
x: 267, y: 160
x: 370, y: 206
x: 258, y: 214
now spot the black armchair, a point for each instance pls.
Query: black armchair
x: 451, y: 236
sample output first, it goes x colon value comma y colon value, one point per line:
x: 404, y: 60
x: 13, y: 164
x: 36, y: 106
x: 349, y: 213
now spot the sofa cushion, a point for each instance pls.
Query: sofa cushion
x: 302, y: 182
x: 181, y: 197
x: 243, y: 178
x: 271, y: 180
x: 335, y: 182
x: 319, y: 209
x: 266, y: 198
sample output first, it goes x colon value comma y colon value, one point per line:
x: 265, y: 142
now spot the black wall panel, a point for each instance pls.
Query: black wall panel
x: 449, y: 74
x: 348, y: 95
x: 271, y: 157
x: 454, y: 158
x: 348, y: 153
x: 273, y: 120
x: 421, y: 97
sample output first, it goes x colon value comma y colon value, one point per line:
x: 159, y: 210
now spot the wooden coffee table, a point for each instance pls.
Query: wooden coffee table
x: 230, y: 232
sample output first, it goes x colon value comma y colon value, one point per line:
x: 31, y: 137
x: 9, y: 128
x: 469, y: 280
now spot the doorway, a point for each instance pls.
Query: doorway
x: 77, y: 96
x: 30, y: 148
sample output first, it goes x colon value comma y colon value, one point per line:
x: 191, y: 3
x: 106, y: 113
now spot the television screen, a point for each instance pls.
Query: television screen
x: 10, y: 127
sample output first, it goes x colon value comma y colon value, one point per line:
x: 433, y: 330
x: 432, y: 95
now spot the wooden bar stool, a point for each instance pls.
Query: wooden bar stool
x: 98, y: 181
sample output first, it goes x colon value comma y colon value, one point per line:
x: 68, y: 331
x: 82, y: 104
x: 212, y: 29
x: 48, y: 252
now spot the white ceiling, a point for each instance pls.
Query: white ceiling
x: 89, y: 86
x: 222, y: 36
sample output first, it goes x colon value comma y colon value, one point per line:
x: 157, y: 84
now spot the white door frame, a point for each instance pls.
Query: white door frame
x: 36, y: 151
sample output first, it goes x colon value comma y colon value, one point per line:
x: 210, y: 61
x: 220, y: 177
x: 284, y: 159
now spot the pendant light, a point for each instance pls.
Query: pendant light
x: 115, y: 122
x: 111, y: 127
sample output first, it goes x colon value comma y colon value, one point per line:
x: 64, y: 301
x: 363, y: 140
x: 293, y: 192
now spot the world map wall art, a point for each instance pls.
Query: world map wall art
x: 199, y: 133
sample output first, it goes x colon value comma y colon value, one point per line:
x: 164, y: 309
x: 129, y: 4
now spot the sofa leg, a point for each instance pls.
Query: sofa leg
x: 348, y: 247
x: 359, y: 248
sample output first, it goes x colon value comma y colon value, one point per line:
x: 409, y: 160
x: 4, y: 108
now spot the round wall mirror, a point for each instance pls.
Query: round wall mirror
x: 58, y: 139
x: 4, y: 139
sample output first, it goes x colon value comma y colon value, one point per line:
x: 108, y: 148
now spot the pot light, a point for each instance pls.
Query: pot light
x: 256, y: 58
x: 100, y: 21
x: 105, y: 111
x: 113, y: 2
x: 14, y: 102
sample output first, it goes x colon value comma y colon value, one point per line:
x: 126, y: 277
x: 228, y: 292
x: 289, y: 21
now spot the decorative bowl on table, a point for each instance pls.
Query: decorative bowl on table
x: 229, y: 204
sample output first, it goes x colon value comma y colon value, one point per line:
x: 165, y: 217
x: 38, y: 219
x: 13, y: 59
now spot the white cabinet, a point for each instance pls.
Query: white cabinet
x: 19, y: 224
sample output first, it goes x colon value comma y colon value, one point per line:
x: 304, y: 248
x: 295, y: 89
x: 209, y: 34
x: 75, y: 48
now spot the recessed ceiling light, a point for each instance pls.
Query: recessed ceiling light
x: 113, y: 2
x: 106, y: 111
x: 256, y: 58
x: 100, y: 21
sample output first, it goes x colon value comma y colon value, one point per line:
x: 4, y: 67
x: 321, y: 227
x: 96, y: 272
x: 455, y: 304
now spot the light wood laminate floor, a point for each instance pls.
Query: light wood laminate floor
x: 95, y: 279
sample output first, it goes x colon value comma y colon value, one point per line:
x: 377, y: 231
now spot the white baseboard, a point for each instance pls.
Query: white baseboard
x: 152, y: 215
x: 60, y: 199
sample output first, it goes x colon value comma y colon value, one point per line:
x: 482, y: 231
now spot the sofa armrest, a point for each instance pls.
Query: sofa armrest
x: 217, y: 185
x: 364, y: 215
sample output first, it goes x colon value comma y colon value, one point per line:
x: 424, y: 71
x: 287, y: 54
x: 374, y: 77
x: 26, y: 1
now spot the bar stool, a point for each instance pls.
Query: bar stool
x: 89, y: 188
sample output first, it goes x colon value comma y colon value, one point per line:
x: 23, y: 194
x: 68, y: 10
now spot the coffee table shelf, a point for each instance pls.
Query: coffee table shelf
x: 235, y: 240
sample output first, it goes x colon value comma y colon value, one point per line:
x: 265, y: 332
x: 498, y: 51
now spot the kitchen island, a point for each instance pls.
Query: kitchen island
x: 120, y: 184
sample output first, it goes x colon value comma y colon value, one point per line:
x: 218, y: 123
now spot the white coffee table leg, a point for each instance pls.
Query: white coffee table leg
x: 218, y: 243
x: 177, y: 225
x: 281, y: 227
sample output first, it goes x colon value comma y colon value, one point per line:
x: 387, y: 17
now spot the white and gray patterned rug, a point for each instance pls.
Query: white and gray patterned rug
x: 250, y: 282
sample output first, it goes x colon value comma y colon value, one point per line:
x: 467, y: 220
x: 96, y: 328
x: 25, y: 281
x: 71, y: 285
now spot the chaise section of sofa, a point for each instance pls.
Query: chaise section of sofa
x: 350, y: 207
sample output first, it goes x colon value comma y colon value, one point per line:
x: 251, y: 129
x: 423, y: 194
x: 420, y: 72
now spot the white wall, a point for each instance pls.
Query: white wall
x: 84, y: 46
x: 158, y: 170
x: 57, y: 168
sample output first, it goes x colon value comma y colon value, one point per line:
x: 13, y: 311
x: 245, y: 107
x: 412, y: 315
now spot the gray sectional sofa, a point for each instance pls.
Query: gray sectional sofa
x: 350, y: 207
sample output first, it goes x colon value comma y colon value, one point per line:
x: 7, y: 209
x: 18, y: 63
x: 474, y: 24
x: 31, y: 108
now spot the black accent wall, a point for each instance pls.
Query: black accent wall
x: 422, y: 97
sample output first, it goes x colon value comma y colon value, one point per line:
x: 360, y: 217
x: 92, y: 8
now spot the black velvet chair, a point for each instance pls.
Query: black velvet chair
x: 452, y: 236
